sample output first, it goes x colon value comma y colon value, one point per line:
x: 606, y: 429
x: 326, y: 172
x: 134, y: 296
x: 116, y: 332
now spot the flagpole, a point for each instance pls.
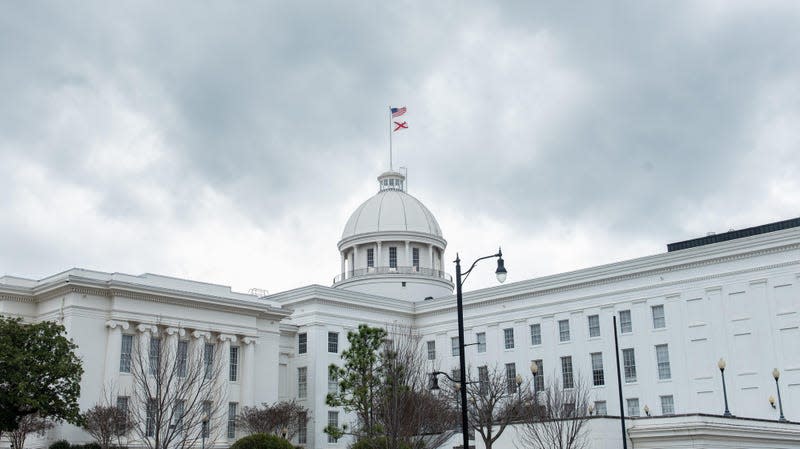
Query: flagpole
x: 390, y: 138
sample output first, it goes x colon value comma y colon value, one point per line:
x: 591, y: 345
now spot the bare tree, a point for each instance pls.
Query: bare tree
x: 106, y: 423
x: 407, y: 410
x: 493, y: 401
x: 557, y: 418
x: 177, y: 391
x: 26, y: 425
x: 283, y: 418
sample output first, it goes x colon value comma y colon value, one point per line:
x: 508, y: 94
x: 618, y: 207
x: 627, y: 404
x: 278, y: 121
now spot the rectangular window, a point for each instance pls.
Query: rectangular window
x: 480, y: 337
x: 302, y: 343
x: 122, y: 406
x: 302, y: 382
x: 667, y: 405
x: 508, y: 338
x: 370, y: 257
x: 483, y: 379
x: 333, y: 421
x: 538, y: 380
x: 125, y: 354
x: 333, y: 342
x: 431, y: 349
x: 204, y: 430
x: 536, y: 334
x: 392, y: 257
x: 178, y: 412
x: 333, y: 384
x: 182, y: 356
x: 150, y: 418
x: 600, y: 408
x: 598, y: 377
x: 625, y: 323
x: 659, y: 320
x: 454, y: 346
x: 633, y: 406
x: 511, y: 377
x: 566, y: 372
x: 563, y: 330
x: 155, y: 355
x: 208, y: 360
x: 302, y: 428
x: 232, y: 420
x: 233, y: 365
x: 594, y: 326
x: 629, y: 363
x: 415, y: 258
x: 662, y: 356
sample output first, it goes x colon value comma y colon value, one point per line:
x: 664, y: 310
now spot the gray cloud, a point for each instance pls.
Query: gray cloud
x: 648, y: 122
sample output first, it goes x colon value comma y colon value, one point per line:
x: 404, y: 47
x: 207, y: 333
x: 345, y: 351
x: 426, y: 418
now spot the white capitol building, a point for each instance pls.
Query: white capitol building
x: 734, y: 296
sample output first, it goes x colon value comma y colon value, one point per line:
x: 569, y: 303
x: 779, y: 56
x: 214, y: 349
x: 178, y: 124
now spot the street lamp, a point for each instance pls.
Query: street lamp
x: 777, y: 375
x: 204, y: 430
x: 500, y: 272
x: 534, y: 372
x: 721, y: 366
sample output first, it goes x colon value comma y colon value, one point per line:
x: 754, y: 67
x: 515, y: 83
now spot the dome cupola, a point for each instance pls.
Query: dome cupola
x: 392, y: 246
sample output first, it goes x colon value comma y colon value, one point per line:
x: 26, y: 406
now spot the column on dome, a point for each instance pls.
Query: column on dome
x: 355, y: 259
x: 343, y: 265
x: 113, y: 350
x: 430, y: 252
x: 379, y: 256
x: 408, y: 254
x: 248, y: 364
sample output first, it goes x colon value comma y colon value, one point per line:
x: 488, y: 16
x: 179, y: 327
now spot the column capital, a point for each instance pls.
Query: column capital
x: 113, y: 324
x: 227, y: 337
x: 250, y: 340
x: 175, y: 330
x: 143, y: 328
x: 202, y: 334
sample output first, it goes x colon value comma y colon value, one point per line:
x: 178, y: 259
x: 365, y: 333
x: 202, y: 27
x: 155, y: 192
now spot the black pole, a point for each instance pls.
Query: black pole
x: 780, y: 404
x: 725, y: 394
x: 462, y: 360
x: 619, y: 385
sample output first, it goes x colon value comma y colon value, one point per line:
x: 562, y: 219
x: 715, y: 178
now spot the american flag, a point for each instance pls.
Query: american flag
x: 397, y: 112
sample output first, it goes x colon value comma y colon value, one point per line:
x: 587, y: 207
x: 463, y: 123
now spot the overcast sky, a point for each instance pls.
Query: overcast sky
x: 228, y: 142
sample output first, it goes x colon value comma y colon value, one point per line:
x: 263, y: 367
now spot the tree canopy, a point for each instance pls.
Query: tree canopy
x: 39, y: 373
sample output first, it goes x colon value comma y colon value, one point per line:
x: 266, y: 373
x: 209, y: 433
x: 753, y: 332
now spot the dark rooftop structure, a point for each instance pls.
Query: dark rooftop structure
x: 735, y: 234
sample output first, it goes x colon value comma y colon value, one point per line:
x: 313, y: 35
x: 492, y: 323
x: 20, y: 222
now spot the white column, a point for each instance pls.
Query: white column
x: 380, y: 256
x: 408, y: 254
x: 355, y: 257
x: 146, y: 332
x: 173, y: 335
x: 248, y: 368
x: 430, y: 252
x: 113, y: 350
x: 343, y: 265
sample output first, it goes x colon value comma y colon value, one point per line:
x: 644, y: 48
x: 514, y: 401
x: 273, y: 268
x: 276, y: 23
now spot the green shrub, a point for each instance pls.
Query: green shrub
x: 262, y: 441
x: 60, y: 444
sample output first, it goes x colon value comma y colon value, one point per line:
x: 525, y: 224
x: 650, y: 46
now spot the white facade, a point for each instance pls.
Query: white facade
x: 680, y: 312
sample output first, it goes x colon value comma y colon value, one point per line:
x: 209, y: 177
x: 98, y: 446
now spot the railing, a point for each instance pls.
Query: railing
x: 388, y: 271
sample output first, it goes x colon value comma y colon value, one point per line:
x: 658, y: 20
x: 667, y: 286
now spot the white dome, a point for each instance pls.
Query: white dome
x: 391, y: 210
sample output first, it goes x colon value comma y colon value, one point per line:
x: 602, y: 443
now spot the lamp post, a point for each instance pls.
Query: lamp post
x: 777, y: 375
x: 534, y: 372
x: 501, y: 277
x: 204, y: 431
x: 721, y: 366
